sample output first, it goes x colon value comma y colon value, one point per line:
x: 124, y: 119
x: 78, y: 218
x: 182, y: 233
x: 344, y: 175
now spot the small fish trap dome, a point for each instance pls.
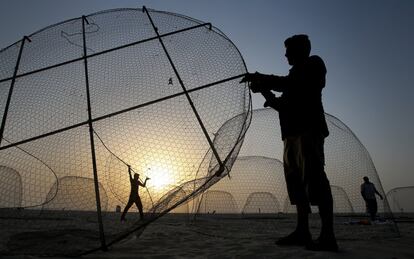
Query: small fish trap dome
x: 83, y: 100
x: 256, y: 188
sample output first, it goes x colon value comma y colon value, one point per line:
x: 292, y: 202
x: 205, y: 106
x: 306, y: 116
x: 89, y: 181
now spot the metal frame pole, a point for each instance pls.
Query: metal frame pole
x: 6, y: 109
x: 210, y: 142
x: 95, y: 170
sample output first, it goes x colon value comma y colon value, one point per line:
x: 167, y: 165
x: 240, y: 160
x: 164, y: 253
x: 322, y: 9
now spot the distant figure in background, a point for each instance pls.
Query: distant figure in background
x: 304, y: 129
x: 368, y: 192
x: 134, y: 195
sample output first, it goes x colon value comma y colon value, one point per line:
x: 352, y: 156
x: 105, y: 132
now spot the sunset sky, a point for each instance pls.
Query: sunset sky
x: 367, y: 47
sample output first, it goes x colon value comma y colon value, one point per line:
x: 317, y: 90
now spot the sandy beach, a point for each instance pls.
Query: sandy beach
x: 231, y: 236
x: 254, y: 238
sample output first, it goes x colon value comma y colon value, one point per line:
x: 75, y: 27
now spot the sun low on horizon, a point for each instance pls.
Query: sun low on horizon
x: 160, y: 176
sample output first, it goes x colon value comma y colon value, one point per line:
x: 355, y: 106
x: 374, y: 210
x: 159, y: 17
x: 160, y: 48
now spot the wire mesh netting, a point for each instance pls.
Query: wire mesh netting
x: 83, y: 100
x: 255, y: 186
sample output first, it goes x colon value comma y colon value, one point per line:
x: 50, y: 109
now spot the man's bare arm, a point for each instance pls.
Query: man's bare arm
x: 379, y: 194
x: 261, y: 82
x: 145, y: 182
x: 129, y: 171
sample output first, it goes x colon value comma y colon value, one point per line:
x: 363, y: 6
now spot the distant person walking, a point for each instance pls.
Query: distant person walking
x: 134, y: 195
x: 368, y: 192
x: 303, y: 126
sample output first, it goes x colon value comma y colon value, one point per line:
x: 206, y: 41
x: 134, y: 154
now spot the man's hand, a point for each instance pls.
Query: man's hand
x: 147, y: 178
x: 247, y: 78
x: 271, y: 100
x: 255, y: 81
x: 273, y: 103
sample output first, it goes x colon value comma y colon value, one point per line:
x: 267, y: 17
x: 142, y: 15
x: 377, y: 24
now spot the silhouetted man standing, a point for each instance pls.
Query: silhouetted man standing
x: 368, y: 192
x: 303, y: 126
x: 134, y: 194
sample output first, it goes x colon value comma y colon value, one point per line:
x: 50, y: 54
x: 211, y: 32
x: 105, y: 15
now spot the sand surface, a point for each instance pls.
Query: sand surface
x: 244, y: 238
x: 217, y: 237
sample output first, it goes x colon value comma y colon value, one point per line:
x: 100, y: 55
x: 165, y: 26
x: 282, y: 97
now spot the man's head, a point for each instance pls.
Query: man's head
x: 136, y: 176
x: 298, y: 48
x: 366, y: 179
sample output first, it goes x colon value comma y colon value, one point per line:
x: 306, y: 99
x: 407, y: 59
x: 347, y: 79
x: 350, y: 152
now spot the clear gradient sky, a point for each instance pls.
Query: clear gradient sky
x: 366, y: 45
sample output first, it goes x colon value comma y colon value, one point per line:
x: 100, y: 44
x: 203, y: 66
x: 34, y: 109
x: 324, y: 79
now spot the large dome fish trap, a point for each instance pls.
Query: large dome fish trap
x: 257, y: 187
x: 347, y: 161
x: 84, y: 100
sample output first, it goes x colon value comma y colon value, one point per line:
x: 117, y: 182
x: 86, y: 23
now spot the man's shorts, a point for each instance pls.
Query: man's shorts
x: 304, y: 162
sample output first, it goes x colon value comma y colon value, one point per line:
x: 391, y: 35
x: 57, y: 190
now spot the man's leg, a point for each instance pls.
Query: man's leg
x: 375, y: 209
x: 326, y: 240
x: 301, y: 236
x: 319, y: 192
x: 129, y: 204
x: 292, y: 162
x: 139, y: 206
x: 326, y: 214
x: 372, y: 209
x: 302, y: 226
